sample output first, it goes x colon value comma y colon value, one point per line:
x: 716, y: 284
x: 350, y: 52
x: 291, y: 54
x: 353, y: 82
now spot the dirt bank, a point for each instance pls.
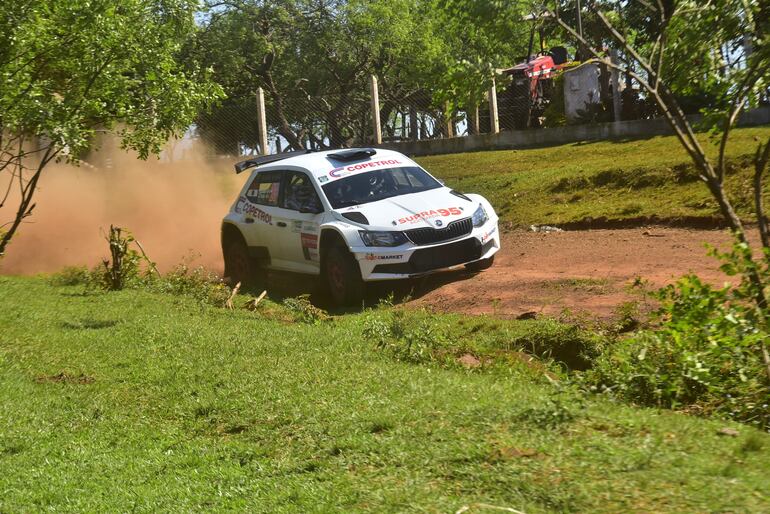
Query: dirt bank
x: 586, y: 271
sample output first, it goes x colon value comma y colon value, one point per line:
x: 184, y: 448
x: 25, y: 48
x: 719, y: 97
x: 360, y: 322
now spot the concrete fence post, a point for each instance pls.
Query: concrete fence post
x: 377, y: 129
x: 262, y: 123
x: 494, y: 120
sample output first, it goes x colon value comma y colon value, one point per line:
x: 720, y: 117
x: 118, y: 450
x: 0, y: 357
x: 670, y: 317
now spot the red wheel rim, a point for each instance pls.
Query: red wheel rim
x: 336, y: 277
x: 240, y: 266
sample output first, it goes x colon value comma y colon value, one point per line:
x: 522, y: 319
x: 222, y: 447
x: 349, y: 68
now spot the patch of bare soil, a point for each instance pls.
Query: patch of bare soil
x: 582, y: 271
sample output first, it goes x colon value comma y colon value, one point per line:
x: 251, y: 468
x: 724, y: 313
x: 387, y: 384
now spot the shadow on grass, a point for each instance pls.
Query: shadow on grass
x: 89, y: 324
x: 283, y: 285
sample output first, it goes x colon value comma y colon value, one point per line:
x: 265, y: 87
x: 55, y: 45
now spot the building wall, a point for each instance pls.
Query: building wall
x: 513, y: 139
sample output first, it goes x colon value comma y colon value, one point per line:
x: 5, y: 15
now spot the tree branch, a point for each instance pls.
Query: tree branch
x: 760, y: 166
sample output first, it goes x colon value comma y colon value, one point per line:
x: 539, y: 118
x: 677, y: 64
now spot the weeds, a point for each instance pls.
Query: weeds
x: 570, y: 344
x: 196, y: 282
x: 558, y: 410
x: 304, y: 311
x: 705, y: 357
x: 72, y: 276
x: 407, y: 336
x: 123, y: 264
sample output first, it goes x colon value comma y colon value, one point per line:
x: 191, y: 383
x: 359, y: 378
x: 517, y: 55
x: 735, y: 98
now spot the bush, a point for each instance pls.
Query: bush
x: 407, y: 336
x: 197, y: 282
x: 72, y: 276
x: 123, y: 265
x: 304, y: 311
x: 704, y: 357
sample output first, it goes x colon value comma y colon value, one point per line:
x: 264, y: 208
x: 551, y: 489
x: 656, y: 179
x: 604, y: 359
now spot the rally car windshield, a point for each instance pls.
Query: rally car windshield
x: 376, y: 185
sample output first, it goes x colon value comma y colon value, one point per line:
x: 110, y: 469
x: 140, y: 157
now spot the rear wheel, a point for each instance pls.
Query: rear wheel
x: 240, y: 267
x: 480, y: 265
x: 343, y: 276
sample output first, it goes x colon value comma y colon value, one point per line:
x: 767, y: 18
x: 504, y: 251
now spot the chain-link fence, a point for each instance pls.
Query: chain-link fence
x: 523, y: 101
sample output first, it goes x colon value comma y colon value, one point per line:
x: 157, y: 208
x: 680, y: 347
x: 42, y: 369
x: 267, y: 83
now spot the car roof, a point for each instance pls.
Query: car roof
x: 321, y: 164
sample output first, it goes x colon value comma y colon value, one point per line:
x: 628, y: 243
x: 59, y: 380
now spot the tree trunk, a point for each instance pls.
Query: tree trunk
x: 28, y: 191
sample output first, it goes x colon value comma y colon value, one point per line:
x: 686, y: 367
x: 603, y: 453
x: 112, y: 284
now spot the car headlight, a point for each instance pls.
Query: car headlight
x: 480, y: 216
x: 384, y: 238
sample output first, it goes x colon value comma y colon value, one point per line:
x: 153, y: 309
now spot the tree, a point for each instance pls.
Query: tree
x: 314, y: 58
x: 70, y: 68
x: 732, y: 64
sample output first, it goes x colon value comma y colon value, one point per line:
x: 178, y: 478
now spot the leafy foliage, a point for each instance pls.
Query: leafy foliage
x: 72, y: 67
x: 196, y: 282
x: 435, y: 54
x: 571, y: 344
x: 705, y: 357
x: 304, y: 311
x: 124, y: 261
x: 407, y: 336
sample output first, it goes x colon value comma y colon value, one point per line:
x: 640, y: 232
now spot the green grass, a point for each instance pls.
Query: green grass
x: 143, y: 401
x: 612, y: 179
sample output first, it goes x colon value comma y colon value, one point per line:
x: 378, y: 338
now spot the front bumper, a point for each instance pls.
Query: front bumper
x: 399, y: 263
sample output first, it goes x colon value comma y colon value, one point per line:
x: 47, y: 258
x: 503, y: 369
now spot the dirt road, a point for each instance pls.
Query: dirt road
x: 587, y: 271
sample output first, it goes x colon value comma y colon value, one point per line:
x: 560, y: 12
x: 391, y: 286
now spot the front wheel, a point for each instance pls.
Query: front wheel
x: 240, y: 267
x: 480, y: 265
x: 343, y: 277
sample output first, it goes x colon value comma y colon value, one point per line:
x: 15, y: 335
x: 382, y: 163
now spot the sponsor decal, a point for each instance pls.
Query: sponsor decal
x: 309, y: 246
x: 323, y: 179
x: 310, y: 228
x: 248, y: 209
x: 296, y: 227
x: 488, y: 235
x: 433, y: 213
x: 265, y: 195
x: 346, y: 170
x: 381, y: 257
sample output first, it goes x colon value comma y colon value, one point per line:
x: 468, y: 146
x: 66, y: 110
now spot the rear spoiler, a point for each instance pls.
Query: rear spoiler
x: 267, y: 159
x: 354, y: 154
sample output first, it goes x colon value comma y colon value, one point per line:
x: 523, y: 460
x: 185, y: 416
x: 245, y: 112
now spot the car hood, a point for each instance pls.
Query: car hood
x: 433, y: 208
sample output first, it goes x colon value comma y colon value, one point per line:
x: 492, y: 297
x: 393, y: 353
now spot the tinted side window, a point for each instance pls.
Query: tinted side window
x: 299, y: 192
x: 265, y: 187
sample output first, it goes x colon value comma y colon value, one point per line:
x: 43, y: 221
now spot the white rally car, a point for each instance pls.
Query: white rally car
x: 352, y: 216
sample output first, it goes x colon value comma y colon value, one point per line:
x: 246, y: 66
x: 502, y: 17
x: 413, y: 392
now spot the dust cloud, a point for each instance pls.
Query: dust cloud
x: 173, y: 206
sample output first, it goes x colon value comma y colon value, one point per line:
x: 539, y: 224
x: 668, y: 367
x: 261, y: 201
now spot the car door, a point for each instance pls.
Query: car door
x: 260, y: 211
x: 302, y: 208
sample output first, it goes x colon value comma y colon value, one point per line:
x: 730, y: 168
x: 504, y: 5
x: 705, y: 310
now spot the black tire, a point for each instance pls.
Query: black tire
x: 342, y: 277
x: 480, y: 265
x: 240, y: 267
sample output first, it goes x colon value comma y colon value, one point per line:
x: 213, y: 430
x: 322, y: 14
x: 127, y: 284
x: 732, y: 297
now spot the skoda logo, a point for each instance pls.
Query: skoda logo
x: 439, y: 223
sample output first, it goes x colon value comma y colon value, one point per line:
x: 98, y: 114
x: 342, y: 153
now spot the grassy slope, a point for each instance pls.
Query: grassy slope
x: 613, y: 179
x: 199, y: 408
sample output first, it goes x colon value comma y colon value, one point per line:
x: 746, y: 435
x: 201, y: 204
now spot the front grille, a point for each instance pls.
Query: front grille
x: 427, y: 235
x: 429, y: 259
